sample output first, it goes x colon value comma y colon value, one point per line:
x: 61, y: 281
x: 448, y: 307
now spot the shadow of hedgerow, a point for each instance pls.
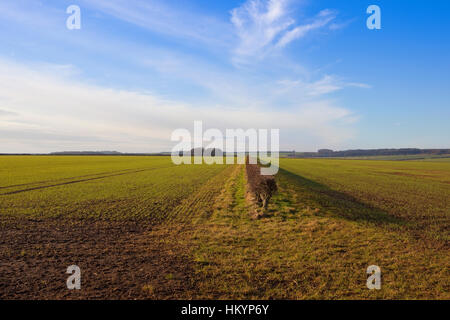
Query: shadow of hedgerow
x: 335, y: 203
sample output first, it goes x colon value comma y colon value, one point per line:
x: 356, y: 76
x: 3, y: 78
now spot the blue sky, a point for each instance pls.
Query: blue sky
x: 137, y: 70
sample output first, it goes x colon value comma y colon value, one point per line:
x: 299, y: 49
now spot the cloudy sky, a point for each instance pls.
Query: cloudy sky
x: 137, y: 70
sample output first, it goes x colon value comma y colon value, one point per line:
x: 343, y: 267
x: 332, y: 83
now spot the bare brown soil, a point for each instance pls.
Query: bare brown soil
x: 118, y: 260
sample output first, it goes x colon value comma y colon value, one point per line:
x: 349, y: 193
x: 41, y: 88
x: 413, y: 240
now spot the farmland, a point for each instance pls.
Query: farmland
x: 141, y: 227
x: 97, y: 187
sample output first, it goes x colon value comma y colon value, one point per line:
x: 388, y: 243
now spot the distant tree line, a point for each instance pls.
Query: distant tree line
x: 86, y: 153
x: 369, y: 152
x: 202, y: 151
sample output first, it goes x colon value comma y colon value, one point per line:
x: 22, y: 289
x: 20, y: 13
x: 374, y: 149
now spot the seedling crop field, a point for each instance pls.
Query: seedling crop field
x: 143, y: 228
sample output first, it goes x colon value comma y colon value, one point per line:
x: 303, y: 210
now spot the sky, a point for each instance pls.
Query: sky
x: 137, y: 70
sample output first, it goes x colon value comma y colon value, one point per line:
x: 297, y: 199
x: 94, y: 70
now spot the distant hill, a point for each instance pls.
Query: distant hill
x: 86, y: 153
x: 322, y: 153
x: 327, y: 153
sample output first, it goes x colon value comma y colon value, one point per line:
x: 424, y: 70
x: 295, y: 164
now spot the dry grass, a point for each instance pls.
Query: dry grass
x: 329, y: 221
x: 311, y: 247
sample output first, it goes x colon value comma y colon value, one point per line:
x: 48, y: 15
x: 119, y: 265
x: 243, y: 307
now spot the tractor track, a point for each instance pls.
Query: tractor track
x: 81, y: 180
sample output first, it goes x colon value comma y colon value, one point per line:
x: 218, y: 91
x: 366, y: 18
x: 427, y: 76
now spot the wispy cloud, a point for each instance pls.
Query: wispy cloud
x: 60, y: 104
x: 163, y: 18
x: 263, y: 25
x: 325, y: 85
x: 257, y: 27
x: 55, y: 112
x: 322, y: 19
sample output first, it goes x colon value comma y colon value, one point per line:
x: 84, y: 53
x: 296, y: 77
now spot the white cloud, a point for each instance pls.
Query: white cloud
x: 322, y: 19
x: 263, y: 25
x: 163, y: 18
x: 54, y: 113
x: 327, y: 84
x: 42, y: 107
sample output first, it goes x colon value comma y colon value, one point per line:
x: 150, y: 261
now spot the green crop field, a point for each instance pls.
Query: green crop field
x: 97, y: 187
x: 141, y: 227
